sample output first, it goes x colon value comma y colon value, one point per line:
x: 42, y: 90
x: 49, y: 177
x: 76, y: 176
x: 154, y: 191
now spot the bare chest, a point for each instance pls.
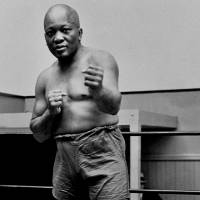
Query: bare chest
x: 71, y: 83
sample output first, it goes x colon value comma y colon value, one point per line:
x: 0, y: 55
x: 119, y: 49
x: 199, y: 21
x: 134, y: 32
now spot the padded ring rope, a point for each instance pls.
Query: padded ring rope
x: 163, y: 133
x: 184, y: 192
x: 26, y: 186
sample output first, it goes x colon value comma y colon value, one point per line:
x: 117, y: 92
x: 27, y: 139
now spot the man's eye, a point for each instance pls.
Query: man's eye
x: 66, y: 30
x: 50, y: 33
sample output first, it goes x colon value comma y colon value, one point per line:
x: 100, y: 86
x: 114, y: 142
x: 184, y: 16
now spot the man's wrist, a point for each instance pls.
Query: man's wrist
x: 97, y: 93
x: 54, y: 111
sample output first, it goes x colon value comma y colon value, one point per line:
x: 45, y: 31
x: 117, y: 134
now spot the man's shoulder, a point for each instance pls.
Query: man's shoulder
x: 99, y: 52
x: 47, y: 71
x: 101, y: 56
x: 45, y: 75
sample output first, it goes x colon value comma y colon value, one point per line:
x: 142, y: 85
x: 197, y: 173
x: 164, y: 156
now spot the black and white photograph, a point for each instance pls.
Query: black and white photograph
x: 100, y: 100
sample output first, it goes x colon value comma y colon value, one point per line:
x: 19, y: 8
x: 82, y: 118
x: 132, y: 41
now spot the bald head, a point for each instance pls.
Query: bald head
x: 62, y: 10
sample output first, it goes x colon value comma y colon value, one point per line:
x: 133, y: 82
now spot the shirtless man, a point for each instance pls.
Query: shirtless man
x: 76, y: 102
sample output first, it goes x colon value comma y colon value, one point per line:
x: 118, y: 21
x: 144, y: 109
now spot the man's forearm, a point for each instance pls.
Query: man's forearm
x: 41, y: 126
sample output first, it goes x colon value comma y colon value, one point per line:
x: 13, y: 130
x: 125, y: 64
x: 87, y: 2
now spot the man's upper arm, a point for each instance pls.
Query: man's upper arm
x: 111, y: 72
x: 111, y: 93
x: 40, y: 104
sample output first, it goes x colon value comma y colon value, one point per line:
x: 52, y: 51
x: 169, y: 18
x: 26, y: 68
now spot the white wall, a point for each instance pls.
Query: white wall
x: 155, y: 42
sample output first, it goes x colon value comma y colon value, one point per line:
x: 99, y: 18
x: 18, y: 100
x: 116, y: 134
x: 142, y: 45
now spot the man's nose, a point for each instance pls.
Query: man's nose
x: 58, y: 37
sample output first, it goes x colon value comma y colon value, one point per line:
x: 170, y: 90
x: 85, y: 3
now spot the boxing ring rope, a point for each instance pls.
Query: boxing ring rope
x: 26, y: 186
x: 183, y: 192
x: 163, y: 133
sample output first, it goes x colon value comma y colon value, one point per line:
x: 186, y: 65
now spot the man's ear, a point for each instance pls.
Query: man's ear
x: 80, y: 33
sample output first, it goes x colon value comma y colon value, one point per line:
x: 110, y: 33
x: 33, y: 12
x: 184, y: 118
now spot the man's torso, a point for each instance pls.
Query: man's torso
x: 79, y: 111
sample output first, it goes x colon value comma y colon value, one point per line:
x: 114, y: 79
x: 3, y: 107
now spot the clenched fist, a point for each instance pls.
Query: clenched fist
x: 93, y: 77
x: 55, y: 101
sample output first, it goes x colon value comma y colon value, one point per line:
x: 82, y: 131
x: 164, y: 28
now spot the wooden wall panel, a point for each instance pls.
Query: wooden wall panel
x: 173, y: 174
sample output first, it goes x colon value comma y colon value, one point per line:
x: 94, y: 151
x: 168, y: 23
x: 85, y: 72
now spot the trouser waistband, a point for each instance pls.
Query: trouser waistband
x: 73, y: 136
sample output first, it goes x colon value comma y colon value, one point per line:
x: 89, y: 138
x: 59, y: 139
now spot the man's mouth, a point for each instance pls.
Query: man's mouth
x: 60, y: 48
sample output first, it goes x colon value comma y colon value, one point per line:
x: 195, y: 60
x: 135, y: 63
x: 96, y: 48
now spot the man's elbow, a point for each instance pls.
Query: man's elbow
x: 41, y: 138
x: 114, y: 108
x: 38, y: 135
x: 118, y: 103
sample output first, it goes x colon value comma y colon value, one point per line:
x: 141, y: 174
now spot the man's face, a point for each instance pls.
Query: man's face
x: 62, y: 35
